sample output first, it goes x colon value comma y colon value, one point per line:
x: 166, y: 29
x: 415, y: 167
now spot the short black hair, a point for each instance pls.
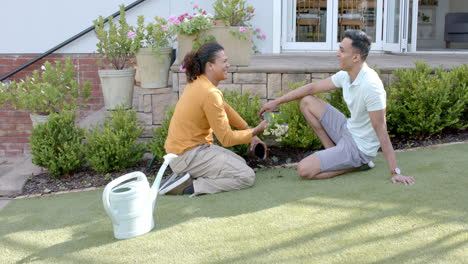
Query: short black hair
x: 361, y: 41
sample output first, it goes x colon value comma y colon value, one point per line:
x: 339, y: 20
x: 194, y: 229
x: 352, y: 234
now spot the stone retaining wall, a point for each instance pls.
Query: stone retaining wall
x: 152, y: 104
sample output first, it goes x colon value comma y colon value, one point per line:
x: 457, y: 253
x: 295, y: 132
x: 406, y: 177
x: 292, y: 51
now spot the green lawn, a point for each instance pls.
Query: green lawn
x: 357, y: 218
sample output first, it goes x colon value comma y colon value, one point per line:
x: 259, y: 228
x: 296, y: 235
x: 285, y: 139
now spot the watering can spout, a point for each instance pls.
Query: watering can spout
x: 157, y: 181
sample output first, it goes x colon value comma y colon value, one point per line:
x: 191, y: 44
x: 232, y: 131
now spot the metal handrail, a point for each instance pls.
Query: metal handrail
x: 66, y: 42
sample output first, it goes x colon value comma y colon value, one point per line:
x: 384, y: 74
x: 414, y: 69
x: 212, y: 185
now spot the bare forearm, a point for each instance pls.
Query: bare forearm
x: 387, y: 150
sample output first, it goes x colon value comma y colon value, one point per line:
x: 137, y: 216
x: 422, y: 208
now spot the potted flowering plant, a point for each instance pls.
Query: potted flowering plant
x: 237, y: 15
x: 154, y: 51
x: 116, y: 44
x: 48, y: 91
x: 192, y: 30
x: 229, y: 27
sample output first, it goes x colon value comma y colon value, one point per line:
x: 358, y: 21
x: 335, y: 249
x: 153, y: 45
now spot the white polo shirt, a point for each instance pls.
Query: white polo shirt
x: 364, y: 95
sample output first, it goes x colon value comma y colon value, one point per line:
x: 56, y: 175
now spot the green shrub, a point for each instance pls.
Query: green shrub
x: 57, y: 144
x: 421, y: 104
x: 156, y: 145
x: 460, y: 76
x: 247, y: 107
x: 113, y: 145
x: 336, y: 99
x: 299, y: 134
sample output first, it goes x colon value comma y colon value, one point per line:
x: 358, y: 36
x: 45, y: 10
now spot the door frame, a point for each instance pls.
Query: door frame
x: 286, y: 45
x: 332, y: 23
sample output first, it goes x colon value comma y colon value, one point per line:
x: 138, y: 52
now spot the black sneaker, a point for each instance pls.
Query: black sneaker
x: 173, y: 186
x: 165, y: 182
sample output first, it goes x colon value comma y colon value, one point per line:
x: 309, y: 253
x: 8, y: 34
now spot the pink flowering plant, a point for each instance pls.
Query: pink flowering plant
x: 194, y: 25
x: 116, y: 41
x: 155, y: 35
x: 237, y: 13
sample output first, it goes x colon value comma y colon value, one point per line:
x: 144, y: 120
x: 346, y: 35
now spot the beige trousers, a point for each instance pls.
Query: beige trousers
x: 214, y: 169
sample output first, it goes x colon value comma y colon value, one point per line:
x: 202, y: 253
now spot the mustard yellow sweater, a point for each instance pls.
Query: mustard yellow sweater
x: 200, y: 111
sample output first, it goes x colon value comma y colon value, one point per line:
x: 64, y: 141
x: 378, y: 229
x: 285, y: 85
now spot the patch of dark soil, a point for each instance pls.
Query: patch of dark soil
x: 87, y: 178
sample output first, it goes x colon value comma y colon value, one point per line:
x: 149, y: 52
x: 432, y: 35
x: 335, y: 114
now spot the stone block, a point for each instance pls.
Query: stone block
x: 228, y: 79
x: 148, y: 131
x: 391, y: 79
x: 320, y: 75
x: 259, y: 89
x: 182, y: 78
x: 287, y: 78
x: 160, y: 104
x: 144, y: 119
x: 136, y: 103
x: 175, y: 81
x: 250, y: 77
x: 181, y: 89
x: 147, y: 103
x: 274, y: 85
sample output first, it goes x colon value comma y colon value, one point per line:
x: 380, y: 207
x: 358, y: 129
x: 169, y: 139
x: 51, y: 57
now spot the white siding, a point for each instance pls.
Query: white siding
x: 35, y: 26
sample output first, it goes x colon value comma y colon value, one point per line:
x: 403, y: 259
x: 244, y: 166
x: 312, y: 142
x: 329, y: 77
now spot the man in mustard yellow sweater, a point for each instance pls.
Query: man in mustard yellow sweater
x: 200, y: 111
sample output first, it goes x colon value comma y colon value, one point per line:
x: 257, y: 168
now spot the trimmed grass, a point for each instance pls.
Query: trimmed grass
x: 356, y: 218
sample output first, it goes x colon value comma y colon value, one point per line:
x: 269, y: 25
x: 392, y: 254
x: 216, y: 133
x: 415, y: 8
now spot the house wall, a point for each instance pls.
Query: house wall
x: 50, y: 22
x: 458, y: 6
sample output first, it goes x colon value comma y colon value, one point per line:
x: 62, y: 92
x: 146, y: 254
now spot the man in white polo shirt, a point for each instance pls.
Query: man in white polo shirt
x: 349, y: 143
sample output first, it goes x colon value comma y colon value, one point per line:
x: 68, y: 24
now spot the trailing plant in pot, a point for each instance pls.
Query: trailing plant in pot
x: 237, y: 14
x: 47, y: 91
x: 116, y: 44
x: 154, y: 42
x: 231, y: 29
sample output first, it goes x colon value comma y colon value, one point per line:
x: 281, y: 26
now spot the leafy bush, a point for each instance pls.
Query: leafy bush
x: 299, y: 134
x: 336, y: 99
x: 156, y: 145
x: 421, y: 104
x: 113, y: 145
x: 460, y: 77
x: 49, y: 90
x: 116, y: 42
x: 247, y: 107
x: 57, y: 144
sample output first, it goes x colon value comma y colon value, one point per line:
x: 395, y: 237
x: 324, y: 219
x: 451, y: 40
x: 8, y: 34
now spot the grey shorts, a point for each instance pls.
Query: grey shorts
x: 345, y: 154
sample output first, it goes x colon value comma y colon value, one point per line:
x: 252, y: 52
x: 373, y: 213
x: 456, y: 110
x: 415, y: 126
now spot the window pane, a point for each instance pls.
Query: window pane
x: 357, y: 14
x: 311, y: 20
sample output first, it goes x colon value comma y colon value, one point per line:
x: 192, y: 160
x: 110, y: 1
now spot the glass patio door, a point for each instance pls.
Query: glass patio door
x: 307, y: 24
x: 320, y: 24
x: 396, y: 25
x: 357, y: 14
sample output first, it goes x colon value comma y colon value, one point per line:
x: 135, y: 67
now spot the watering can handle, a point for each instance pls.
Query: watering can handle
x: 111, y: 185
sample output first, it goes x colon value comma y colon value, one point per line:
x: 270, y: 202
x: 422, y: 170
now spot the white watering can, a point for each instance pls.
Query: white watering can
x: 131, y: 205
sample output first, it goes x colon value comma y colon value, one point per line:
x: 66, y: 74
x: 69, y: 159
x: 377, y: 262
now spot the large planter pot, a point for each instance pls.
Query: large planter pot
x: 117, y: 87
x: 238, y: 51
x: 153, y: 70
x: 38, y: 119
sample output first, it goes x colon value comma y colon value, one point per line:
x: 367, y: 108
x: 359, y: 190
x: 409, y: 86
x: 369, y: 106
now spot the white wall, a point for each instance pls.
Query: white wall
x: 458, y: 6
x: 32, y: 26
